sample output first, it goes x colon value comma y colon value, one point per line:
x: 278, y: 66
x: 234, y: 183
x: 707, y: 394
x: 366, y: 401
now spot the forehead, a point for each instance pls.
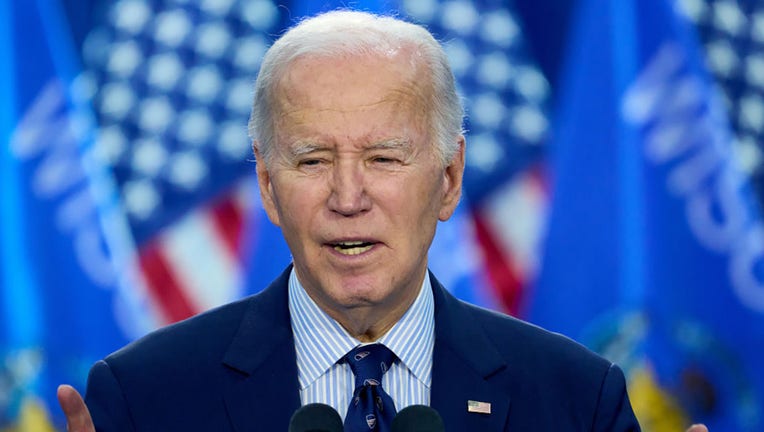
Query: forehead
x: 362, y: 91
x: 376, y: 73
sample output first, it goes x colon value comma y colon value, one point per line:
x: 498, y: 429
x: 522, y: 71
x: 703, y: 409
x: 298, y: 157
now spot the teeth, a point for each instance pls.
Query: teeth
x: 352, y: 250
x: 350, y: 243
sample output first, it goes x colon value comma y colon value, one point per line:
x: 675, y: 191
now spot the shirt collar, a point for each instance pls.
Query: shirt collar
x: 320, y: 341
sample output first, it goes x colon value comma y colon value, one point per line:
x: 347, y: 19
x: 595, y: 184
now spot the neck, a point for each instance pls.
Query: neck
x: 369, y: 324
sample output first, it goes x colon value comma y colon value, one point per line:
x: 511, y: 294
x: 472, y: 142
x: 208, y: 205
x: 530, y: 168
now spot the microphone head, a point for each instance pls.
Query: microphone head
x: 418, y: 418
x: 315, y: 417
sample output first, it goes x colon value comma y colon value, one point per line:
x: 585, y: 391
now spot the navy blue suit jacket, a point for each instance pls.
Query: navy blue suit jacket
x: 234, y: 369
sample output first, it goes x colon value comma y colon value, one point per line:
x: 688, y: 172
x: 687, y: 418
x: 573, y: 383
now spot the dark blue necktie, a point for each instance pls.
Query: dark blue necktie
x: 371, y: 409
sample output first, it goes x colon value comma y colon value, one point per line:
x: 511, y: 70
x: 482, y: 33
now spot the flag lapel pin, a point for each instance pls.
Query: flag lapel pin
x: 478, y: 407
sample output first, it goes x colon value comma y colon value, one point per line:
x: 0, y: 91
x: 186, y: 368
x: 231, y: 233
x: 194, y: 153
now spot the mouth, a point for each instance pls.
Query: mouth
x: 352, y: 247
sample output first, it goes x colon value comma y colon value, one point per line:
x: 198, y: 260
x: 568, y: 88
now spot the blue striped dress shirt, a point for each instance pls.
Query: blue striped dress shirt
x: 321, y: 342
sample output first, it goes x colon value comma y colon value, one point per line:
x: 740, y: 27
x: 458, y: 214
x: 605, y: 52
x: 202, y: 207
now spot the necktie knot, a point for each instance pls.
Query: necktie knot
x: 369, y: 363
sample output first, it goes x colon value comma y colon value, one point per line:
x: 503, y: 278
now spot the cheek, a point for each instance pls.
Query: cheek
x: 416, y: 205
x: 297, y: 206
x: 272, y: 208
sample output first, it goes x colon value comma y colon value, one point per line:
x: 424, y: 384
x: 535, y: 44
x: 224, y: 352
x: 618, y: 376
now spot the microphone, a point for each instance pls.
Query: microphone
x: 315, y: 417
x: 418, y: 418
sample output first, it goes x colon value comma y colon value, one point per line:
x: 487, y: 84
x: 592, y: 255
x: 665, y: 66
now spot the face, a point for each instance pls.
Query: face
x: 356, y: 185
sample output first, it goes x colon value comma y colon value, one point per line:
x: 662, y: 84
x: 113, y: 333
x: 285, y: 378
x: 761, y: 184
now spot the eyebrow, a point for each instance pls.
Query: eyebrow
x: 303, y: 147
x: 300, y: 148
x: 391, y: 144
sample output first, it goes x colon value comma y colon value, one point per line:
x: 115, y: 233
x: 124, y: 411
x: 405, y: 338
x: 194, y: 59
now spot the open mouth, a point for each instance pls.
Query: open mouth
x: 352, y: 247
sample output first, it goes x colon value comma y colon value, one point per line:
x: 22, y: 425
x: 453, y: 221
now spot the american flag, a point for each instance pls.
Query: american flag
x: 732, y: 33
x: 507, y: 101
x: 171, y: 87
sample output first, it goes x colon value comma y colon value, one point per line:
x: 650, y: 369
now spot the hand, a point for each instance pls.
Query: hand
x: 697, y: 428
x: 76, y: 412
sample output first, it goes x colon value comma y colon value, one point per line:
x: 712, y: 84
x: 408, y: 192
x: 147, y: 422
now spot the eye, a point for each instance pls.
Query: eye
x: 384, y: 160
x: 310, y: 162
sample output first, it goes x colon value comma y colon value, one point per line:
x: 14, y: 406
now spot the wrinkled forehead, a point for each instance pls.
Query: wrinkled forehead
x: 351, y: 81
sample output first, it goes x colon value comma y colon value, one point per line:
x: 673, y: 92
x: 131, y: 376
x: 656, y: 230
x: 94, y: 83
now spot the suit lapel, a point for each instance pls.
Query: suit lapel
x: 466, y: 367
x: 262, y: 390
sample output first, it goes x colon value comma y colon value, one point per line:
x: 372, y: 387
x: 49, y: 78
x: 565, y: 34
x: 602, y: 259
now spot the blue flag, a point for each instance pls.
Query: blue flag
x: 655, y: 245
x: 57, y: 280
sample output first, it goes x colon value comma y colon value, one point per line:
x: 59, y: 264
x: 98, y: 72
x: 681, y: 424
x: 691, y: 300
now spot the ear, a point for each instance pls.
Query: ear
x: 452, y: 183
x: 264, y: 183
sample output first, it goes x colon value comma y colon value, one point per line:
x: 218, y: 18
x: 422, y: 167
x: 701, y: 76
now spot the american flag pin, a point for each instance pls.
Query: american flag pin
x: 478, y: 407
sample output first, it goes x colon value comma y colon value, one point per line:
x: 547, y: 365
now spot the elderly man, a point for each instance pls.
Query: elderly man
x: 357, y: 136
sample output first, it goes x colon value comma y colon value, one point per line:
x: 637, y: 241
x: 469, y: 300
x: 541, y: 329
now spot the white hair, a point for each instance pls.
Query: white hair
x: 341, y: 33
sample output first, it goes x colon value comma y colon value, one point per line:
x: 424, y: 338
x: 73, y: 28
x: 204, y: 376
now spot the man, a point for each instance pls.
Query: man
x: 357, y: 135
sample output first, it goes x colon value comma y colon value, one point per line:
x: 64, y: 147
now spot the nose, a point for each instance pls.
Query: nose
x: 348, y: 189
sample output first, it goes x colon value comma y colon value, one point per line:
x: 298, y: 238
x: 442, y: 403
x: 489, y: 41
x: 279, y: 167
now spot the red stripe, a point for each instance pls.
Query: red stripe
x: 506, y: 282
x: 163, y: 286
x: 227, y: 220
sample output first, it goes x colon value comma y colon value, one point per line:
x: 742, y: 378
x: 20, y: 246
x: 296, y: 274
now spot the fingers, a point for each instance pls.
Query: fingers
x: 76, y: 412
x: 697, y: 428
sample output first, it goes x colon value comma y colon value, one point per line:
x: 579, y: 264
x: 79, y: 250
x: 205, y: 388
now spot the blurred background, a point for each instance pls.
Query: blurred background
x: 613, y: 188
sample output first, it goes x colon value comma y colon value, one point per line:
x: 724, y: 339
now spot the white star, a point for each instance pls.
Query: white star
x: 131, y: 15
x: 124, y: 58
x: 529, y: 124
x: 487, y: 110
x: 722, y: 57
x: 187, y: 170
x: 217, y: 7
x: 195, y: 127
x: 172, y: 27
x: 531, y: 83
x: 149, y: 156
x: 140, y: 197
x: 754, y: 70
x: 110, y: 144
x: 83, y: 88
x: 248, y: 52
x: 117, y: 99
x: 751, y: 114
x: 748, y: 154
x: 96, y: 49
x: 695, y: 10
x: 459, y: 16
x: 757, y: 27
x: 260, y: 14
x: 421, y: 10
x: 204, y: 83
x: 164, y: 71
x: 239, y: 98
x: 499, y: 28
x: 729, y: 17
x: 459, y: 56
x: 234, y: 143
x: 212, y: 39
x: 155, y: 114
x: 494, y: 70
x: 483, y: 152
x: 81, y: 123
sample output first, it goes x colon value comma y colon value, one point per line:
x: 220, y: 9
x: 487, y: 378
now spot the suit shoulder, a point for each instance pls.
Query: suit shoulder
x: 209, y: 331
x: 540, y: 346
